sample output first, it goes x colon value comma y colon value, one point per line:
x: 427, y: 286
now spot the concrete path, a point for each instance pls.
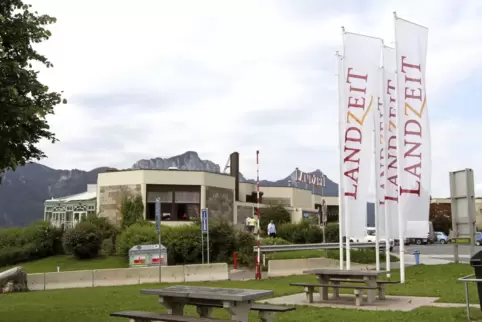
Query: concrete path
x: 347, y: 301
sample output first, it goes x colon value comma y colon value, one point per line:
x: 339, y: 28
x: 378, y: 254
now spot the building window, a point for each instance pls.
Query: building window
x: 79, y: 215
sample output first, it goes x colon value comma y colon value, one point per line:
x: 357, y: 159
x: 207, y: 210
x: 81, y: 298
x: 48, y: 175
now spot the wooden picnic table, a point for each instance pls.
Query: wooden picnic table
x: 325, y: 277
x: 237, y: 302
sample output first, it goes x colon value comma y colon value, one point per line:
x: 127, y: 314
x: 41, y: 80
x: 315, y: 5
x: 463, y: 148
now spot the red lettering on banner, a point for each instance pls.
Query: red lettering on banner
x: 391, y: 166
x: 412, y: 128
x: 382, y: 157
x: 353, y: 134
x: 407, y: 65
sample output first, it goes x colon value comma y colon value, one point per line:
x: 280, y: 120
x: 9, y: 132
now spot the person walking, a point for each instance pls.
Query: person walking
x: 252, y: 224
x: 247, y: 223
x: 271, y: 229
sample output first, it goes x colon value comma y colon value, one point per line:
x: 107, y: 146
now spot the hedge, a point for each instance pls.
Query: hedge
x: 307, y: 233
x: 184, y: 242
x: 36, y: 241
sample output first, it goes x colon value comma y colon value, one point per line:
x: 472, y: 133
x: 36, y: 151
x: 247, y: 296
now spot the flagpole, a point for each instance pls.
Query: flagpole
x: 377, y: 199
x: 386, y: 111
x: 384, y: 118
x: 400, y: 214
x: 341, y: 218
x: 347, y: 222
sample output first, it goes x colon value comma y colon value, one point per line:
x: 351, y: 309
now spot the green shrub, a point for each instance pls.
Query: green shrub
x: 83, y: 241
x: 274, y: 241
x: 278, y: 214
x: 136, y: 234
x: 222, y: 241
x: 183, y: 244
x: 332, y: 233
x: 107, y: 230
x: 245, y: 244
x: 107, y: 247
x: 300, y: 233
x: 132, y: 210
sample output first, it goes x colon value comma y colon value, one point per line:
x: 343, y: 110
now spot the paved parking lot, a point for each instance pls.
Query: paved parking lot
x: 438, y: 251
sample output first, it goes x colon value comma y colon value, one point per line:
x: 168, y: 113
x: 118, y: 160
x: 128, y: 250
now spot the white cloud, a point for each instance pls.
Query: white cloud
x: 162, y: 77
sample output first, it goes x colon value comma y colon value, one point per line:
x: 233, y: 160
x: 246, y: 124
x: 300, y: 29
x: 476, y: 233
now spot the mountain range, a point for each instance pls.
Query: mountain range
x: 23, y: 191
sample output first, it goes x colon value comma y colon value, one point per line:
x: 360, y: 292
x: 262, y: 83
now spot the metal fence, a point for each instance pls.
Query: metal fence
x: 294, y: 247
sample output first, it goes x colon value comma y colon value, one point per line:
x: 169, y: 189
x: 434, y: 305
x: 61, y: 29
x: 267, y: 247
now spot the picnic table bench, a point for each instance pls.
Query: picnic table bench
x: 238, y: 302
x: 266, y: 312
x: 358, y: 290
x: 331, y: 278
x: 381, y: 284
x: 140, y: 316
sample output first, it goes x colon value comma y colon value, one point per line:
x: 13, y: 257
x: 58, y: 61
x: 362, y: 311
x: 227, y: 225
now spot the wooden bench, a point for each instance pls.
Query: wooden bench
x: 140, y: 316
x: 381, y: 285
x: 266, y: 312
x: 357, y: 289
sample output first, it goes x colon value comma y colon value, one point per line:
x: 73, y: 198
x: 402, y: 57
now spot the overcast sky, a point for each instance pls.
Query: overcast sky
x: 154, y: 78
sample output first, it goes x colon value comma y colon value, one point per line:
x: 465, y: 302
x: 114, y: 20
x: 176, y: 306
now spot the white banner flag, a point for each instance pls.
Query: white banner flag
x: 413, y: 132
x: 361, y: 65
x: 390, y: 135
x: 341, y: 139
x: 380, y: 162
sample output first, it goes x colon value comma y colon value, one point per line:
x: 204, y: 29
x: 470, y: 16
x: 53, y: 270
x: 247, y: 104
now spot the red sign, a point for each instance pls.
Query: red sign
x: 139, y: 260
x: 155, y: 259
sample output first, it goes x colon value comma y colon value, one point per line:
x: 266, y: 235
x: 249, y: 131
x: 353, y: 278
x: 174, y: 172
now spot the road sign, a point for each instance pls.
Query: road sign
x: 462, y: 198
x: 204, y: 220
x: 158, y: 215
x: 324, y: 212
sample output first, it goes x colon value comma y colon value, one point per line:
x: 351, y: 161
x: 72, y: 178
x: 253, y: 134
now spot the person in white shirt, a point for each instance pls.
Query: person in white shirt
x: 271, y: 229
x: 247, y: 222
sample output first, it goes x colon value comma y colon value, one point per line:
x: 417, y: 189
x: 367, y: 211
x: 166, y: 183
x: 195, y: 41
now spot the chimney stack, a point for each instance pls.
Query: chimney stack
x: 234, y: 171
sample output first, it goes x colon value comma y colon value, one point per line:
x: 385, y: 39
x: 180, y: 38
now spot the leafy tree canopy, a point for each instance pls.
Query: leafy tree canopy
x: 24, y: 101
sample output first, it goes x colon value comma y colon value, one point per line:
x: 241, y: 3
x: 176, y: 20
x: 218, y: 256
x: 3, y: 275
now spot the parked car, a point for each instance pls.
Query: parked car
x: 478, y: 238
x: 441, y: 237
x: 370, y: 237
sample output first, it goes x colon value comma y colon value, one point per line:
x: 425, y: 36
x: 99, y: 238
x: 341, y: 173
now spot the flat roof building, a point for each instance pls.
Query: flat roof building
x: 183, y: 194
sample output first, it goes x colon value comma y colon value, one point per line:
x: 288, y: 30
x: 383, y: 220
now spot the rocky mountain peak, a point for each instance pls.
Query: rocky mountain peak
x: 189, y: 160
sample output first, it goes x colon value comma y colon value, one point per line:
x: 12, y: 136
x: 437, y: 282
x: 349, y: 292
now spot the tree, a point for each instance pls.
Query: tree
x: 83, y: 241
x: 132, y: 210
x: 24, y: 101
x: 441, y: 216
x: 278, y: 214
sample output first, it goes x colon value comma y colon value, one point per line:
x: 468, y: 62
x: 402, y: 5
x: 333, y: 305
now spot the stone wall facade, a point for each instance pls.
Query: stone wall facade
x: 243, y: 213
x: 110, y: 200
x: 277, y: 201
x: 220, y: 203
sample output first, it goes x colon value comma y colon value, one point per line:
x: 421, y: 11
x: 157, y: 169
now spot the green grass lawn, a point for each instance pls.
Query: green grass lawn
x: 95, y: 304
x: 357, y: 256
x: 69, y: 263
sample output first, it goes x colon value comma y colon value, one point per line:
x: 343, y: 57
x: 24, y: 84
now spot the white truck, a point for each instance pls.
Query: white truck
x: 419, y: 232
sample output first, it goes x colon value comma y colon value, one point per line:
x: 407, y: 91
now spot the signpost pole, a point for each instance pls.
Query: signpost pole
x: 202, y: 235
x: 324, y: 213
x: 207, y: 234
x: 158, y: 229
x: 205, y: 230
